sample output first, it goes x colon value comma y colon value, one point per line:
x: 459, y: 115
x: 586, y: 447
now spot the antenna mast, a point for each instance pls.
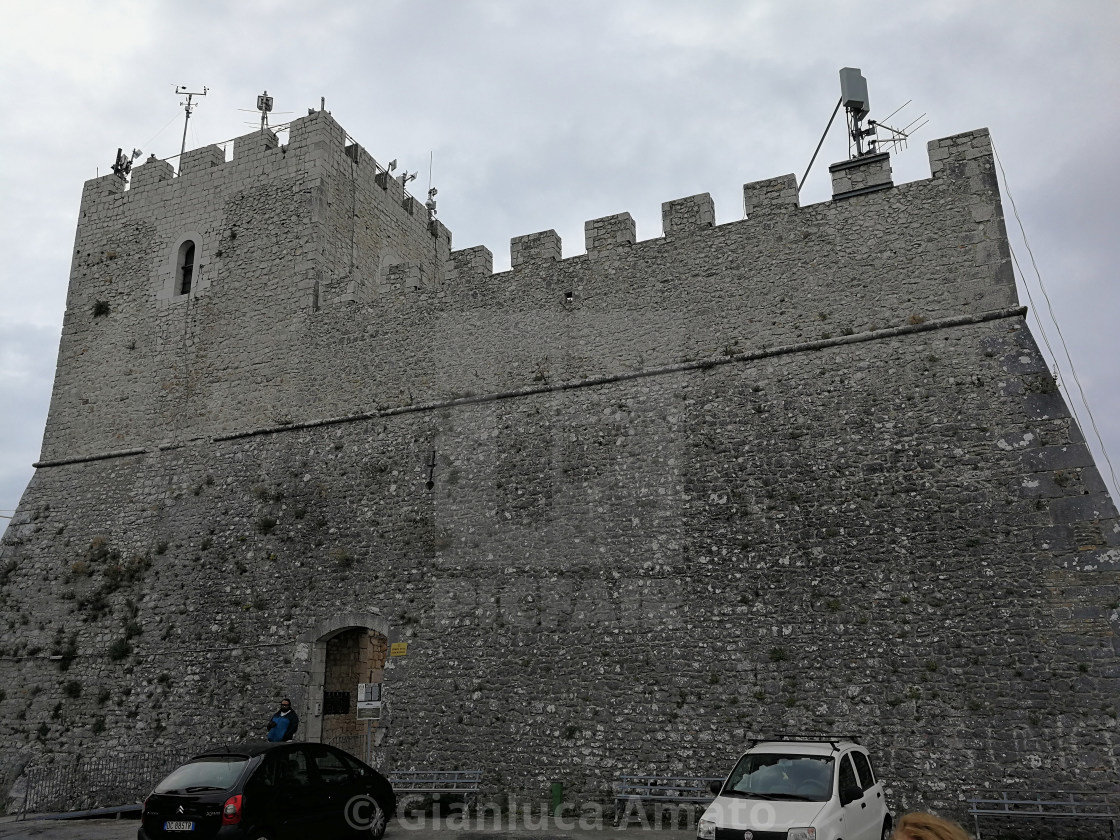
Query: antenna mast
x: 189, y: 107
x: 264, y: 105
x: 853, y: 96
x: 431, y: 202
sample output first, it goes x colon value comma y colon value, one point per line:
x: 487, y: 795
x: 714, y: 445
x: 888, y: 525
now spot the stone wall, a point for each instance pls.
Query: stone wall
x: 803, y: 472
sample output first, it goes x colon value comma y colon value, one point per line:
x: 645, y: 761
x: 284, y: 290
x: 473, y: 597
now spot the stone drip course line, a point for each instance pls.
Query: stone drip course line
x: 590, y: 382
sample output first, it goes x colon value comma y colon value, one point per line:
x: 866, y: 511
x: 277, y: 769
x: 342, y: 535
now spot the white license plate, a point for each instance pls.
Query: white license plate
x: 181, y: 825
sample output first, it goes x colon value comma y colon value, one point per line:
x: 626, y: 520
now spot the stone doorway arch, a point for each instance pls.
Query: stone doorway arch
x: 344, y: 650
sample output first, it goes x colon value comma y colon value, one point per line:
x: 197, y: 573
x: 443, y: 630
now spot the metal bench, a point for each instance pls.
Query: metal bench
x: 640, y: 791
x: 419, y: 783
x: 1057, y: 805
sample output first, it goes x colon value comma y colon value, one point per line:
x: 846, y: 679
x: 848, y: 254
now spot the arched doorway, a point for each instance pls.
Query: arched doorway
x: 354, y: 656
x: 346, y: 651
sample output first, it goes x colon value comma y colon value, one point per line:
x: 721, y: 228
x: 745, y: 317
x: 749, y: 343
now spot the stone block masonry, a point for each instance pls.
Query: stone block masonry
x: 807, y: 471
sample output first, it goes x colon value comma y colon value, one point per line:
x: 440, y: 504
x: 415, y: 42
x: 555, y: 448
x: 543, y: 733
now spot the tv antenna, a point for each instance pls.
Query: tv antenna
x: 189, y: 107
x: 862, y: 140
x: 264, y: 105
x: 853, y: 95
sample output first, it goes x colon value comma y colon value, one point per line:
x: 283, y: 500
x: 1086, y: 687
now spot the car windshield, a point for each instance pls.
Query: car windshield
x: 780, y: 776
x: 212, y: 773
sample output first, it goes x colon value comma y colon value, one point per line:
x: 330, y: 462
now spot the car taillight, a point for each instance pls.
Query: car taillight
x: 231, y: 811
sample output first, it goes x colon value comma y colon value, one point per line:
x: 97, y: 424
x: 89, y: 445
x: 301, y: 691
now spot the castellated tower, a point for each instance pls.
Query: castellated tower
x: 217, y: 283
x: 803, y: 472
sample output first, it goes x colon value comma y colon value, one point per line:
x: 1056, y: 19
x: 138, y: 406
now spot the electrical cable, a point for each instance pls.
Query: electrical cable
x: 148, y: 142
x: 1049, y: 306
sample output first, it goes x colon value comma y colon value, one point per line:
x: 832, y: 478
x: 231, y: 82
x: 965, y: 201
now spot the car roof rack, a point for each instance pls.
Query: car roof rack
x: 833, y: 739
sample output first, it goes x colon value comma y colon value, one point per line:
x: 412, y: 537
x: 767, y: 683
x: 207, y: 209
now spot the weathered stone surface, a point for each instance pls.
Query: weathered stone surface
x: 801, y: 472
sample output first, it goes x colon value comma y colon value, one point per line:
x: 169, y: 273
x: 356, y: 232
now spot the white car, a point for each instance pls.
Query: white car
x: 799, y: 790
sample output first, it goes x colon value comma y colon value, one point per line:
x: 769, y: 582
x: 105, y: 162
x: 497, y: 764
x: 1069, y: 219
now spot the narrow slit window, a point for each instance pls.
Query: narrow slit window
x: 185, y: 271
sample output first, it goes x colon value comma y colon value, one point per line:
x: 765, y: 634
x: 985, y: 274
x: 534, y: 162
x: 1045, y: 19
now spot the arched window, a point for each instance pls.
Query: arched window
x: 184, y: 272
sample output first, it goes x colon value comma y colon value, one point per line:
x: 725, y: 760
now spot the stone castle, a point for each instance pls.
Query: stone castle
x: 616, y: 513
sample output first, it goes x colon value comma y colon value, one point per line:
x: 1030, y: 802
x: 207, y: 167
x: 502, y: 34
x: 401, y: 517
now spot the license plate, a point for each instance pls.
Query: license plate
x: 181, y: 825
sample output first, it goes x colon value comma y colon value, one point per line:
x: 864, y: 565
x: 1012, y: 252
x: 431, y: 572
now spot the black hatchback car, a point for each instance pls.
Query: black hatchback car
x: 266, y: 791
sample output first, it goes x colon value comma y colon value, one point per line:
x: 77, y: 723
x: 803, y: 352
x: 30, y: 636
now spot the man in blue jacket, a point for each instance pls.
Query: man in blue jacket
x: 284, y: 723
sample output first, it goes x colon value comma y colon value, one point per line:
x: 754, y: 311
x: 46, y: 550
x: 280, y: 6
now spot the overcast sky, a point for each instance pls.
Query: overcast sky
x: 545, y: 114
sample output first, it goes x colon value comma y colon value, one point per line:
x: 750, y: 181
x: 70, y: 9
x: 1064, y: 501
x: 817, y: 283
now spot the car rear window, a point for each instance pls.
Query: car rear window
x: 211, y: 773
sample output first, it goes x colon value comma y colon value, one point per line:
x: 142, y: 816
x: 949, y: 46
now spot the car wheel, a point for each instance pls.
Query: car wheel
x: 378, y: 822
x: 261, y: 834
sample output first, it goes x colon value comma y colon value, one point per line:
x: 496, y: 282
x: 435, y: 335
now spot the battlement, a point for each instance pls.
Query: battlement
x: 964, y: 159
x: 316, y: 144
x: 318, y: 135
x: 687, y: 214
x: 602, y: 236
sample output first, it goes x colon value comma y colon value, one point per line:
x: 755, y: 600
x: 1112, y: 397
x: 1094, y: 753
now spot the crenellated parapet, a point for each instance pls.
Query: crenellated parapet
x: 317, y: 146
x: 776, y: 200
x: 771, y: 195
x: 534, y: 248
x: 951, y: 156
x: 606, y: 235
x: 201, y: 160
x: 151, y: 173
x: 469, y: 264
x: 687, y: 214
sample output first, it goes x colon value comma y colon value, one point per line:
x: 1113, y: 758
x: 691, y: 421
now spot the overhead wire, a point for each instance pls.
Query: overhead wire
x: 1057, y: 326
x: 148, y: 142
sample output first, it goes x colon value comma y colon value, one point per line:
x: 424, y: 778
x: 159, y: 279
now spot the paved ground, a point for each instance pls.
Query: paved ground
x: 69, y: 829
x: 412, y: 829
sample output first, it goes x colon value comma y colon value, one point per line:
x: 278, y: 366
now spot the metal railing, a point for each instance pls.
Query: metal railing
x: 86, y: 782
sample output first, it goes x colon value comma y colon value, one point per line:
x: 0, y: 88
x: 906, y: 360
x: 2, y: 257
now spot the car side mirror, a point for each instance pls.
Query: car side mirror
x: 715, y: 787
x: 849, y: 794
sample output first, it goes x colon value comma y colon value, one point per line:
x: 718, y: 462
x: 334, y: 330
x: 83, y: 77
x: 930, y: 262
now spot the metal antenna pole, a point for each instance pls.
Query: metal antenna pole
x: 821, y: 143
x: 181, y: 89
x: 264, y: 105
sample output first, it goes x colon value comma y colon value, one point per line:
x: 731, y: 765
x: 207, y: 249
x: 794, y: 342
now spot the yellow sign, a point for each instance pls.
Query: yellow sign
x: 398, y: 649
